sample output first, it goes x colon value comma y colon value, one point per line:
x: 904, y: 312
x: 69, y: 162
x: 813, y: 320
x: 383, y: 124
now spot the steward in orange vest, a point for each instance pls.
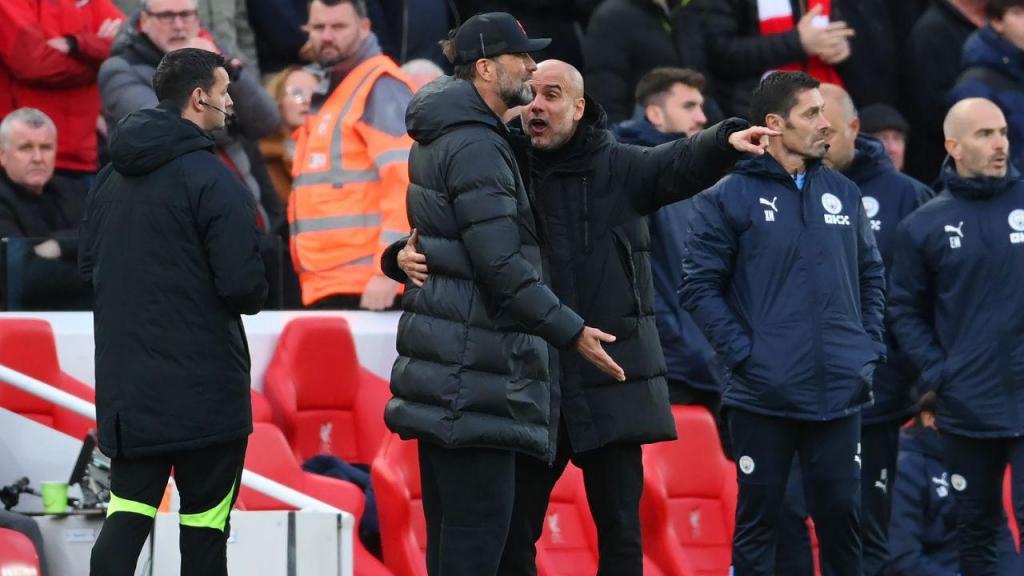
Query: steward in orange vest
x: 351, y: 173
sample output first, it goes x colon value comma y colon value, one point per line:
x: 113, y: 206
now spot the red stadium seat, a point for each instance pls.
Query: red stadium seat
x: 27, y: 346
x: 323, y: 400
x: 268, y: 454
x: 403, y: 529
x: 17, y: 554
x: 261, y: 410
x: 1008, y: 506
x: 689, y: 502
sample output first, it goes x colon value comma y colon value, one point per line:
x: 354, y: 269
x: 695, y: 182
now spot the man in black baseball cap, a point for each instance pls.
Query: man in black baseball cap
x: 491, y: 35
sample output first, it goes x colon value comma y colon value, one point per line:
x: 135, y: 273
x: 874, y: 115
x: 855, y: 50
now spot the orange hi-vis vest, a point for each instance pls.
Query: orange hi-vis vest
x: 348, y: 198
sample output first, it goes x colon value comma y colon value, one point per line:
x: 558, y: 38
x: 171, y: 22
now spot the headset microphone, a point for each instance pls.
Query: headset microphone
x: 225, y: 113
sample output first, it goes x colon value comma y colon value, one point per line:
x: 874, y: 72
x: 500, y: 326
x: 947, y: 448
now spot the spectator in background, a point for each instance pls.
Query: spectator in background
x: 226, y: 20
x: 932, y: 63
x: 50, y: 53
x: 412, y: 29
x: 422, y: 71
x: 348, y: 199
x: 887, y: 125
x: 888, y: 197
x: 744, y: 43
x: 628, y: 38
x: 293, y: 89
x: 673, y: 107
x: 993, y: 63
x: 922, y: 532
x: 36, y: 204
x: 956, y: 309
x: 126, y: 85
x: 279, y: 27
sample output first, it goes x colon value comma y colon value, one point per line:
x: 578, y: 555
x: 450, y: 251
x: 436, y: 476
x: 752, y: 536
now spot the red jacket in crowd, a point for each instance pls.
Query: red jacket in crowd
x: 63, y: 85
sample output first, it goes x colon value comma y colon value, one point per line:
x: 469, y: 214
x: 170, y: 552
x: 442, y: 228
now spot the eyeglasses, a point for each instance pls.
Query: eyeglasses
x: 165, y: 18
x: 298, y: 95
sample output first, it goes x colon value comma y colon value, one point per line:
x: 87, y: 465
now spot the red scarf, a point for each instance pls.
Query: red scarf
x: 777, y: 18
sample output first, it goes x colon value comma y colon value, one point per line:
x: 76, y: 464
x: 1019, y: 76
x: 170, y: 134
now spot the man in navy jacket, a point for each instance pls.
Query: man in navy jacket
x: 958, y: 312
x: 888, y: 197
x: 782, y: 273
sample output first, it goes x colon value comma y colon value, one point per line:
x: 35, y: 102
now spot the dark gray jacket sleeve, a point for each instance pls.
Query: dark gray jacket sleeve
x: 389, y: 261
x: 123, y: 90
x: 486, y: 211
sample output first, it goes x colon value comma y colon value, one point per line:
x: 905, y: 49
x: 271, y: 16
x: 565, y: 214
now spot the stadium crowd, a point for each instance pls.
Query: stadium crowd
x: 800, y: 214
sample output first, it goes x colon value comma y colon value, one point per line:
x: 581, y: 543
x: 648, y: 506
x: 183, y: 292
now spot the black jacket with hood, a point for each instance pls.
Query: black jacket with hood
x: 170, y: 246
x: 474, y: 369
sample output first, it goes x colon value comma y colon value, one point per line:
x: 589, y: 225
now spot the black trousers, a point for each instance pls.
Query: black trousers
x: 976, y: 467
x: 467, y: 501
x: 207, y: 481
x: 829, y: 453
x: 614, y: 480
x: 880, y: 448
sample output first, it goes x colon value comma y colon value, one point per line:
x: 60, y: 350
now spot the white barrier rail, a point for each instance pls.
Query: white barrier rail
x: 250, y: 479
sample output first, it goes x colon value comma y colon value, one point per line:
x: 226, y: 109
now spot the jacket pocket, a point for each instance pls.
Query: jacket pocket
x: 624, y: 248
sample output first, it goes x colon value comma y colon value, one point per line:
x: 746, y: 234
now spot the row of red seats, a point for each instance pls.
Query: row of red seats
x: 320, y: 400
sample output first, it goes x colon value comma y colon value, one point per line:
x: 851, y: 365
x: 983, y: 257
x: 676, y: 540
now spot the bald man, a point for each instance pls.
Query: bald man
x: 957, y: 310
x: 888, y: 197
x: 592, y: 195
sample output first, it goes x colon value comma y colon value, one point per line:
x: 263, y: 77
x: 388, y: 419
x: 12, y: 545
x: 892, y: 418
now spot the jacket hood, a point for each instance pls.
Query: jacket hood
x: 445, y: 104
x: 922, y: 440
x: 641, y: 132
x: 869, y: 161
x: 766, y: 166
x: 147, y: 139
x: 985, y: 47
x: 976, y: 188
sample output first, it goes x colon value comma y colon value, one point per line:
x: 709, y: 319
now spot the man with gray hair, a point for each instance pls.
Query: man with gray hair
x: 126, y: 85
x: 36, y: 205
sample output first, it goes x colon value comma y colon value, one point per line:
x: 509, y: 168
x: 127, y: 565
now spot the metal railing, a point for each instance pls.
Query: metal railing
x: 250, y: 479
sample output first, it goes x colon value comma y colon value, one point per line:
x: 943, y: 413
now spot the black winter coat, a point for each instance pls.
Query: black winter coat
x: 956, y: 304
x: 594, y: 194
x: 170, y: 245
x: 789, y: 288
x: 44, y: 284
x: 474, y: 369
x: 888, y: 197
x: 627, y: 39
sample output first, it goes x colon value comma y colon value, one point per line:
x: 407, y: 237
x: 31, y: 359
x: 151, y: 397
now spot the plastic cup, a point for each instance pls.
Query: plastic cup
x: 55, y: 497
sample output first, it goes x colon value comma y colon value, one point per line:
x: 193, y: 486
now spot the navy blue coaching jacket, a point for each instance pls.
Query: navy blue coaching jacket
x: 957, y: 302
x: 789, y: 287
x: 889, y: 196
